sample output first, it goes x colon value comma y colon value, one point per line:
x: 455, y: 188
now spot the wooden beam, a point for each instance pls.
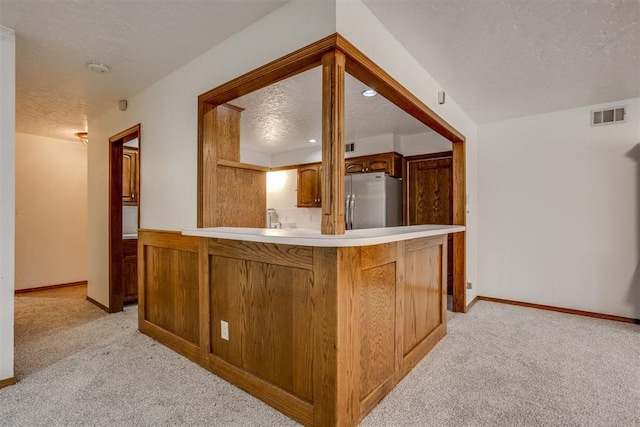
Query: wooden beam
x: 332, y: 193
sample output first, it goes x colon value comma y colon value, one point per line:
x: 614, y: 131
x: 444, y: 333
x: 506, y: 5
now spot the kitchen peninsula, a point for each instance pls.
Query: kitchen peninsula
x: 320, y: 324
x: 321, y: 327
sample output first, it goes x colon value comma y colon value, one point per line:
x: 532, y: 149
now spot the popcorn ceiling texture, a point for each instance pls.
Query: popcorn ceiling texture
x: 141, y: 41
x: 502, y: 59
x: 285, y: 115
x: 498, y: 59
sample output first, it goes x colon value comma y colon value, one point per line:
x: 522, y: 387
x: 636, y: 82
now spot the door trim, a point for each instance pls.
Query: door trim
x: 116, y: 287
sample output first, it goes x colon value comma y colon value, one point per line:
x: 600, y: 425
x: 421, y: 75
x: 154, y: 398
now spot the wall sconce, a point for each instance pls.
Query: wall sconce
x: 83, y: 137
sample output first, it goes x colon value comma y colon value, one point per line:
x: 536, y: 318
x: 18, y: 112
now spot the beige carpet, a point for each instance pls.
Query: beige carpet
x: 499, y: 365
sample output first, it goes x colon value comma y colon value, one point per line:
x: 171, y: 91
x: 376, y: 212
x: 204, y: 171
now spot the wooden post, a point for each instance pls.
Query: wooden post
x: 333, y: 69
x: 459, y: 218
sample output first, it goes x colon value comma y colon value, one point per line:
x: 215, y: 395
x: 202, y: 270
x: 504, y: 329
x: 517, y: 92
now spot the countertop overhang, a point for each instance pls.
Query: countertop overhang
x: 305, y: 237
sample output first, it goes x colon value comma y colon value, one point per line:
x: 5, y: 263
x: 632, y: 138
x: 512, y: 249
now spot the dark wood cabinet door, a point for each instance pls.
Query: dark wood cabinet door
x: 309, y: 193
x: 378, y: 165
x: 355, y: 165
x: 129, y: 176
x: 390, y: 163
x: 130, y: 269
x: 430, y: 199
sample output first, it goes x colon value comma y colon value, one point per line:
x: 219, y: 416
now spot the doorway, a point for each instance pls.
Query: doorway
x: 124, y: 217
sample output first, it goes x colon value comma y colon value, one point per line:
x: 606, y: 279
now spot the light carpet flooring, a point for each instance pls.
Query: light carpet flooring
x: 499, y: 365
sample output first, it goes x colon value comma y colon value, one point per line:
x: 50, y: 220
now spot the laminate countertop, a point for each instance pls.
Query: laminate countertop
x: 305, y: 237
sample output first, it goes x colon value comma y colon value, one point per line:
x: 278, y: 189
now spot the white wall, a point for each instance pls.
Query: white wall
x: 51, y: 211
x: 282, y: 187
x: 7, y: 197
x: 422, y: 143
x: 361, y: 27
x: 371, y: 145
x: 167, y: 112
x: 559, y: 211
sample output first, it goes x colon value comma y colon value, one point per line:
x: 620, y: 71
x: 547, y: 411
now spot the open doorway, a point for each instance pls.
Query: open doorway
x: 124, y: 217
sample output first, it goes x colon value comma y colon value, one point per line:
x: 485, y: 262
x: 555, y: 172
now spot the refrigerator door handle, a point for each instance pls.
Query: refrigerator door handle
x: 346, y: 211
x: 352, y: 208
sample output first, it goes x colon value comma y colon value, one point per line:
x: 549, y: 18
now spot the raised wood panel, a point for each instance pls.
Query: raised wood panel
x: 171, y: 291
x: 242, y: 198
x: 309, y: 194
x: 285, y: 255
x: 226, y: 127
x: 207, y: 166
x: 355, y: 165
x: 130, y: 269
x: 128, y: 175
x: 268, y: 309
x: 377, y: 304
x: 423, y: 297
x: 298, y: 409
x: 430, y: 192
x: 372, y: 256
x: 390, y: 163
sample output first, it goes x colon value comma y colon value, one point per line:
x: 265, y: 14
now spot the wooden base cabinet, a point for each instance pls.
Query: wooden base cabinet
x: 321, y: 334
x: 130, y: 269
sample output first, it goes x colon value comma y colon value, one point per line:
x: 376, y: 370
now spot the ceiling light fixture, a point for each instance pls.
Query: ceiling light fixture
x: 313, y: 141
x: 369, y: 93
x: 98, y: 67
x: 83, y: 137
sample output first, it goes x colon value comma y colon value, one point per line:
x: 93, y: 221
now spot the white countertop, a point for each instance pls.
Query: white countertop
x: 305, y: 237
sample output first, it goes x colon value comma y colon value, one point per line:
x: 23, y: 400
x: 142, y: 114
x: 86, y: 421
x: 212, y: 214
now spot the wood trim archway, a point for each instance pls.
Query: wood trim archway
x: 337, y: 56
x: 116, y: 265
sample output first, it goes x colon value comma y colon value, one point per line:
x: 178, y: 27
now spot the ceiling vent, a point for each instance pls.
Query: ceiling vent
x: 607, y: 116
x: 349, y: 147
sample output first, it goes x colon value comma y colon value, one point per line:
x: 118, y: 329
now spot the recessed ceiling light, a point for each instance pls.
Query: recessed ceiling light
x: 98, y: 67
x: 313, y: 141
x: 369, y: 93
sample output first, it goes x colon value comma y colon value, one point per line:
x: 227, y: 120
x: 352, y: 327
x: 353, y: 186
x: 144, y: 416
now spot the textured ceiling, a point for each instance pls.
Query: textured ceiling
x: 497, y: 58
x: 285, y: 115
x: 508, y: 58
x: 141, y: 41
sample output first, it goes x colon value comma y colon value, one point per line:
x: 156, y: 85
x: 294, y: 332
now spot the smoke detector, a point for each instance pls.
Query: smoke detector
x: 98, y: 67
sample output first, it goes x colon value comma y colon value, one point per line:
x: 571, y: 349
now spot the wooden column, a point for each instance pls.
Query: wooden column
x: 459, y: 218
x: 207, y: 166
x: 333, y: 69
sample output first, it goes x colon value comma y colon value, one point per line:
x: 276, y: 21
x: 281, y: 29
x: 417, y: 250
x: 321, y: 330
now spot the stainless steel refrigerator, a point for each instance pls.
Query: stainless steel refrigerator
x: 372, y: 200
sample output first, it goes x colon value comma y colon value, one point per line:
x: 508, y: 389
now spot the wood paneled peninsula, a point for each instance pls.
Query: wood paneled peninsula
x: 321, y: 327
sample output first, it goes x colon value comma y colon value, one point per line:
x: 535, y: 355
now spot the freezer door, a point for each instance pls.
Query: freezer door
x: 368, y: 203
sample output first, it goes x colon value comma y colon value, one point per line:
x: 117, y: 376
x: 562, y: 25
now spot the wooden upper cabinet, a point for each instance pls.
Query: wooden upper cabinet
x: 310, y: 186
x: 130, y: 176
x: 390, y: 163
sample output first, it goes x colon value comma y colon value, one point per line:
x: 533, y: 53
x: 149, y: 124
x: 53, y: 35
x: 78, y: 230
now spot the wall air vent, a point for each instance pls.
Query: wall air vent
x: 349, y: 147
x: 607, y: 116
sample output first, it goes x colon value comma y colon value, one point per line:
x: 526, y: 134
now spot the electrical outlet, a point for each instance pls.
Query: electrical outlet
x: 224, y: 330
x: 469, y: 285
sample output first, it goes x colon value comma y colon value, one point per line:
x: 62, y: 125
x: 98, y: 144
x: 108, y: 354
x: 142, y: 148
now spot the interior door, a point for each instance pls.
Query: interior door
x: 430, y: 199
